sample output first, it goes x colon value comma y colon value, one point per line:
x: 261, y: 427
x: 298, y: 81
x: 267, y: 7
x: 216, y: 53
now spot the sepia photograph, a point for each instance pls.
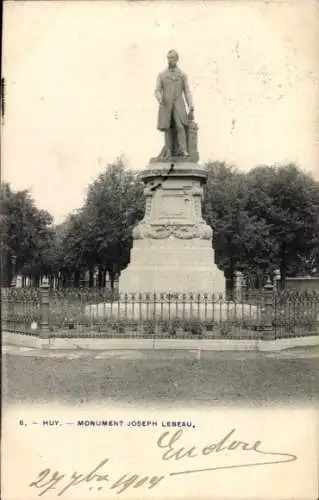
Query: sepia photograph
x: 159, y: 234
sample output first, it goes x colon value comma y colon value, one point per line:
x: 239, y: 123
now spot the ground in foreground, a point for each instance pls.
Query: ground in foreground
x: 162, y: 378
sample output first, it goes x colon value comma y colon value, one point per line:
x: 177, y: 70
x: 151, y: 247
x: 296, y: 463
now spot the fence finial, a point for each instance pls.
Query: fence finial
x: 45, y: 282
x: 268, y: 284
x: 277, y: 274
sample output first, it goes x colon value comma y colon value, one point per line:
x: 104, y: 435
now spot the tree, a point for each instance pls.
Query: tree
x: 241, y: 240
x: 99, y: 235
x: 265, y: 219
x: 26, y: 233
x: 114, y: 204
x: 288, y: 201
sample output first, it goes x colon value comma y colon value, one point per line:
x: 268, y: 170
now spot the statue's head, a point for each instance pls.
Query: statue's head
x: 172, y: 58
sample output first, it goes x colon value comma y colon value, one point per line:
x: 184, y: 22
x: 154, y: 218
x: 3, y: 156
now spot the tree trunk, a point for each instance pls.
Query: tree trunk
x: 35, y: 281
x: 283, y: 275
x: 91, y: 277
x: 104, y: 277
x: 77, y: 276
x: 65, y: 279
x: 9, y: 272
x: 112, y: 278
x: 5, y: 270
x: 100, y: 277
x: 283, y: 266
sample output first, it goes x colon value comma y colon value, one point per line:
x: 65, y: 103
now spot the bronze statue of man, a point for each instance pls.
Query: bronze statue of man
x: 171, y: 90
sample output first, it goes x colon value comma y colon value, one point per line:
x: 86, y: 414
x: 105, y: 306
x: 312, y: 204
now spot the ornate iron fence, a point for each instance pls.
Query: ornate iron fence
x: 88, y: 312
x: 295, y: 314
x: 21, y: 309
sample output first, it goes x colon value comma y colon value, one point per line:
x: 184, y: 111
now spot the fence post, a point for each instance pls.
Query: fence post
x: 44, y: 309
x: 268, y: 330
x: 238, y: 286
x: 276, y: 279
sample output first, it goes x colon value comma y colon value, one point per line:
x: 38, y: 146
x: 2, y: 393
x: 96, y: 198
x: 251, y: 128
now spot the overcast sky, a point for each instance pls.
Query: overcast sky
x: 81, y: 76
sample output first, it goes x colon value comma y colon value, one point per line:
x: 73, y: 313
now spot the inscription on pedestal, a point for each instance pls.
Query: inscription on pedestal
x: 173, y: 204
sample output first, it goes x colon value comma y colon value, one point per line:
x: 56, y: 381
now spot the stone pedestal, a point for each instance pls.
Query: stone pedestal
x: 172, y: 249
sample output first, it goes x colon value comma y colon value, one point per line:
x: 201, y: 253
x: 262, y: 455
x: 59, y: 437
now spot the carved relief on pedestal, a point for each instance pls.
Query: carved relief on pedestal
x: 169, y: 230
x: 205, y: 231
x: 155, y: 231
x: 197, y: 193
x: 173, y: 209
x: 148, y: 201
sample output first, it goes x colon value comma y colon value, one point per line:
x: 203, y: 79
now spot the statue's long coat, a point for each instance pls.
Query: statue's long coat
x: 172, y: 85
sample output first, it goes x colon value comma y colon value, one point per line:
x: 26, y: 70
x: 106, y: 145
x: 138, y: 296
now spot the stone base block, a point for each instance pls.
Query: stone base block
x: 172, y: 265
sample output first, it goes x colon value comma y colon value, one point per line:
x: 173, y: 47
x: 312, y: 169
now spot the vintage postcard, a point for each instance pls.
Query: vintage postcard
x: 160, y: 249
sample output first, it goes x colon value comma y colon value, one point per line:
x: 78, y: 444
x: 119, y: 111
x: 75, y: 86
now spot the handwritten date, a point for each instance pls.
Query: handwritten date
x: 48, y: 480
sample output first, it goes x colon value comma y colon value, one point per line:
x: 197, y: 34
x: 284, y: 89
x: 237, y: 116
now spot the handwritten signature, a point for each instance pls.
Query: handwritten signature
x: 168, y: 442
x: 48, y: 479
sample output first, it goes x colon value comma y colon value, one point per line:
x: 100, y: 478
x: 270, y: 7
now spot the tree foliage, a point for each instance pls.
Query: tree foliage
x: 26, y: 233
x: 265, y: 219
x: 100, y: 234
x: 288, y: 200
x: 241, y: 240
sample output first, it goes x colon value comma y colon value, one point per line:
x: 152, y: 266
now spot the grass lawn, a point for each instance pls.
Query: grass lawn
x: 158, y: 377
